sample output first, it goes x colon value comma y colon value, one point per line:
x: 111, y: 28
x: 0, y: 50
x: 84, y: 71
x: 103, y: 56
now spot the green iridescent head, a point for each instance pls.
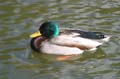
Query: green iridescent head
x: 49, y: 29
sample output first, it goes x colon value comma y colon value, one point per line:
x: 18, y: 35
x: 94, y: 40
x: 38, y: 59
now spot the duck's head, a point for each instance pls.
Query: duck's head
x: 47, y: 29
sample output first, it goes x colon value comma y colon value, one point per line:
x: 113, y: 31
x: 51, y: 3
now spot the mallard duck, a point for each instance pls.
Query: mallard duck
x: 50, y: 39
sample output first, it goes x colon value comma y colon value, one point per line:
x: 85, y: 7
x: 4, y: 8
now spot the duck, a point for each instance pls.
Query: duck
x: 51, y: 39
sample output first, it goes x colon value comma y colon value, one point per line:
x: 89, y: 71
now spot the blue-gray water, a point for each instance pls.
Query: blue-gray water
x: 20, y: 18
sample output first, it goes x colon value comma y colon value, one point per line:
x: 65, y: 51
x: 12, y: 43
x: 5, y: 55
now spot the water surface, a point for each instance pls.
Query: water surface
x: 19, y: 18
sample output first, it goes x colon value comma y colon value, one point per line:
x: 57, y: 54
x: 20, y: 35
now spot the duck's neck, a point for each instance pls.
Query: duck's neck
x: 38, y: 41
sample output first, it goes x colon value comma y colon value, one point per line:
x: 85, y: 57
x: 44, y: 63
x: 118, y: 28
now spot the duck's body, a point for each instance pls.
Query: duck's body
x: 68, y: 42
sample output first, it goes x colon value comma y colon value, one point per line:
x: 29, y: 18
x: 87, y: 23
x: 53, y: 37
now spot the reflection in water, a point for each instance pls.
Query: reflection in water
x: 19, y: 18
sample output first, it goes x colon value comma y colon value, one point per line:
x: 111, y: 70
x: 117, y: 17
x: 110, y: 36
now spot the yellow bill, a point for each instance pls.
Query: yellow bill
x: 36, y: 34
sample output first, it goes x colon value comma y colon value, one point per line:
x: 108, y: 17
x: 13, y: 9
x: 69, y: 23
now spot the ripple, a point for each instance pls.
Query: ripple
x: 19, y: 18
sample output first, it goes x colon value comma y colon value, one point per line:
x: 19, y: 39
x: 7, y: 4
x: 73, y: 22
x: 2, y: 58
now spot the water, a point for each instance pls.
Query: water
x: 20, y: 18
